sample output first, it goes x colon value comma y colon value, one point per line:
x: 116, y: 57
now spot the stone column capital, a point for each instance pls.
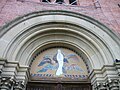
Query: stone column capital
x: 19, y: 85
x: 7, y: 83
x: 113, y: 84
x: 100, y: 86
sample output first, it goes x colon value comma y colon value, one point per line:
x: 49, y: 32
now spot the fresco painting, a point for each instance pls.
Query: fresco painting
x: 58, y: 62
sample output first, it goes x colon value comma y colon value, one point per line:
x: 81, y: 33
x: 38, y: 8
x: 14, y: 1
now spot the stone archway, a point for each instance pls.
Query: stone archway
x: 44, y: 29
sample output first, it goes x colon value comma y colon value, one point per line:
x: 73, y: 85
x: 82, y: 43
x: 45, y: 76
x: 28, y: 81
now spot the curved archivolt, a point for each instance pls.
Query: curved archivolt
x: 21, y: 39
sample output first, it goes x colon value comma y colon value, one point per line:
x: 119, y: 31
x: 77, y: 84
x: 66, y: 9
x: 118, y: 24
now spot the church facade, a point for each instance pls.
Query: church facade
x: 55, y: 49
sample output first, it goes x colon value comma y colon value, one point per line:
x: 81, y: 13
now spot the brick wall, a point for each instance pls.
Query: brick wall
x: 109, y: 13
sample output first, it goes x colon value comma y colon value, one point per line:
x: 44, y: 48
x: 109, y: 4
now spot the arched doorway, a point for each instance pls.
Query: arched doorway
x: 24, y: 38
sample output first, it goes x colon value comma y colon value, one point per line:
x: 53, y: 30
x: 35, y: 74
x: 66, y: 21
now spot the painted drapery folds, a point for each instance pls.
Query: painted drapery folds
x: 58, y: 63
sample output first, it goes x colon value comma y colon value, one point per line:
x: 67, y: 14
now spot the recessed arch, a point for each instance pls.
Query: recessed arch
x: 37, y: 29
x: 44, y: 35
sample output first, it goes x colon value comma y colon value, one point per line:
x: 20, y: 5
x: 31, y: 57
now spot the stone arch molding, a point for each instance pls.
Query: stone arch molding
x: 21, y: 38
x: 28, y: 33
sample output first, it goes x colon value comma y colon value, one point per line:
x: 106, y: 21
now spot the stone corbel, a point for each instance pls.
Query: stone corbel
x: 7, y: 83
x: 19, y: 85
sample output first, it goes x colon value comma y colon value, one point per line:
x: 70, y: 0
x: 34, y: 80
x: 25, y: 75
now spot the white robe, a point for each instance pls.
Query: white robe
x: 60, y: 62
